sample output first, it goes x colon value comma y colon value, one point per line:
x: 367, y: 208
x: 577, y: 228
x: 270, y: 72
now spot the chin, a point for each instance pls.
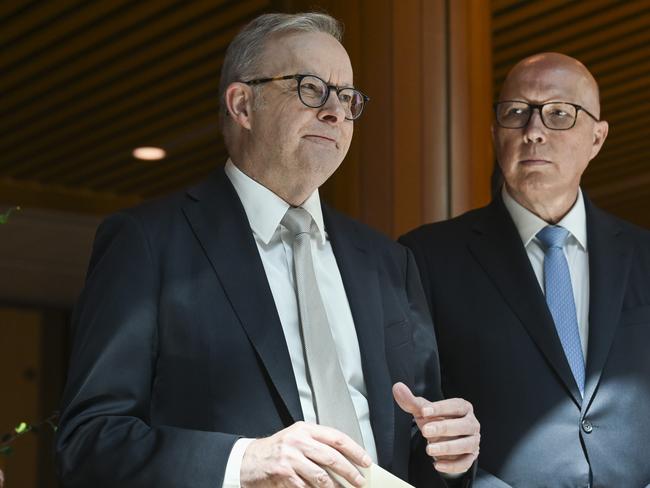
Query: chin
x: 537, y: 189
x: 322, y: 164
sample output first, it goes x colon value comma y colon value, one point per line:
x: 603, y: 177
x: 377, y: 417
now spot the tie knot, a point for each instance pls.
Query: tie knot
x: 553, y: 236
x: 297, y: 220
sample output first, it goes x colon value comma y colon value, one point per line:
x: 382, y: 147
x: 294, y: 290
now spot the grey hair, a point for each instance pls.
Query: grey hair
x: 246, y: 49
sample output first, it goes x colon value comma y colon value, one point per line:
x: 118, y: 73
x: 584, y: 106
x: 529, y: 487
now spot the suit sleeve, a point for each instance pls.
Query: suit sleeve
x: 106, y: 437
x: 422, y: 267
x: 481, y: 478
x: 427, y: 373
x: 426, y: 382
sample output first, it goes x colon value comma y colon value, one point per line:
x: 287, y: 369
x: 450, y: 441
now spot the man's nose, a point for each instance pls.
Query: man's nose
x: 535, y: 130
x: 333, y: 110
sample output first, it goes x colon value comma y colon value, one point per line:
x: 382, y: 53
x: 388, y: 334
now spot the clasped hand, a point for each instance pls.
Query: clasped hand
x: 300, y: 455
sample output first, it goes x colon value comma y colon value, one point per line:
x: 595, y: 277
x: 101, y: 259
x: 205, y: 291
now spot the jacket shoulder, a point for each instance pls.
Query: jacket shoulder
x: 164, y: 211
x: 638, y: 235
x: 445, y: 231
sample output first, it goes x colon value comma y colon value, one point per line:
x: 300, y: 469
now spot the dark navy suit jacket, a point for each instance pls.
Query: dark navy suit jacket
x: 179, y: 351
x: 499, y: 350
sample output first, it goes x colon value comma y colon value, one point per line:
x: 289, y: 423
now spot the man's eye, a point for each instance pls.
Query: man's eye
x: 345, y: 98
x: 309, y: 87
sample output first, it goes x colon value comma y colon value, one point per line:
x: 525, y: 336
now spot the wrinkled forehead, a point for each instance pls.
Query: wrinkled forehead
x: 308, y: 53
x: 544, y: 84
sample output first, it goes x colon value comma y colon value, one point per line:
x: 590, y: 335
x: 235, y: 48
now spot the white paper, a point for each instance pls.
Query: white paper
x: 376, y: 477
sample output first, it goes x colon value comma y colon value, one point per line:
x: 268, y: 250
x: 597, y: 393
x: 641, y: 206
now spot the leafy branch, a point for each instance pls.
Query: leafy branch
x: 22, y: 429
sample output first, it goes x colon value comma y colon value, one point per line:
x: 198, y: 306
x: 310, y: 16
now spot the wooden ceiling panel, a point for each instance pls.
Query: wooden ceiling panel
x: 510, y: 14
x: 143, y: 124
x: 588, y: 37
x: 129, y: 27
x: 84, y: 83
x: 168, y: 171
x: 121, y: 84
x: 535, y: 20
x: 104, y: 80
x: 33, y: 16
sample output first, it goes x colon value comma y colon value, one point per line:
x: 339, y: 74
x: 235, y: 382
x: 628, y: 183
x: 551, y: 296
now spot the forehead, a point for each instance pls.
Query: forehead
x: 547, y: 84
x: 307, y: 52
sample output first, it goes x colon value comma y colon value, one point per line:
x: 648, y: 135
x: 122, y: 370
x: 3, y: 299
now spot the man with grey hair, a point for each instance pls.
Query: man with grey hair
x: 242, y: 334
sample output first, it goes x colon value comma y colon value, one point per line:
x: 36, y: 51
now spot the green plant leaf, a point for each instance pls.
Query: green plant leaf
x: 6, y: 451
x: 22, y: 428
x: 4, y: 218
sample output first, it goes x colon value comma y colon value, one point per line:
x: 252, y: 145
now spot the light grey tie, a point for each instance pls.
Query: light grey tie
x: 332, y: 400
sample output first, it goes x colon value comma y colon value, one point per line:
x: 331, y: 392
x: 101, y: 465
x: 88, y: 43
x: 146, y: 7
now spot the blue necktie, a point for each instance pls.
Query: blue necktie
x: 559, y: 297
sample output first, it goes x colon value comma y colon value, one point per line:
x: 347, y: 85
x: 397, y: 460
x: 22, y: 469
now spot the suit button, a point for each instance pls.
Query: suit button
x: 586, y: 426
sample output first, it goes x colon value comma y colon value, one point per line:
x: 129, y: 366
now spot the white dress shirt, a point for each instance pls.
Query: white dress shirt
x: 575, y: 249
x: 265, y: 211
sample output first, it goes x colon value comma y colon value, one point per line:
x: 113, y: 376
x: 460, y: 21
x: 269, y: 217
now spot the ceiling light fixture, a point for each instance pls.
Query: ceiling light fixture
x: 149, y: 153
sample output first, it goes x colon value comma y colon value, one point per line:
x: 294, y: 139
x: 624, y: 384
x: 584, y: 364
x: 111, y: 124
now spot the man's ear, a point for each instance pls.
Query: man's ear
x: 239, y: 103
x: 601, y: 129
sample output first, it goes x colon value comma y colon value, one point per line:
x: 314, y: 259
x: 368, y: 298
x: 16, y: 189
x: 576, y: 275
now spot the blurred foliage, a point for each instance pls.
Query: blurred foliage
x: 4, y: 218
x: 23, y: 428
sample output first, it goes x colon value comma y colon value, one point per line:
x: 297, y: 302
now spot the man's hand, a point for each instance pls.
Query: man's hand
x: 298, y: 456
x: 449, y: 426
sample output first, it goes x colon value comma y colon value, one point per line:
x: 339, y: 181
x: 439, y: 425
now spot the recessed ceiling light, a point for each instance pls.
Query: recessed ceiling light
x: 149, y: 153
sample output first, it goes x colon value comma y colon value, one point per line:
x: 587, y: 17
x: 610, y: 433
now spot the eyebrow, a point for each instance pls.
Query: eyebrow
x: 310, y: 73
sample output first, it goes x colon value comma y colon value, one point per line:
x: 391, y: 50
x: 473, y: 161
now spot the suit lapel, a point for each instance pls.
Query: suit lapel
x: 359, y: 274
x: 498, y: 249
x: 219, y: 222
x: 609, y: 264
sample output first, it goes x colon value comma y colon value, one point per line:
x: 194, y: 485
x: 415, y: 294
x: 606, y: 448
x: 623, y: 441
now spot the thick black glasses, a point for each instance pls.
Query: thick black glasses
x: 515, y: 114
x: 314, y: 93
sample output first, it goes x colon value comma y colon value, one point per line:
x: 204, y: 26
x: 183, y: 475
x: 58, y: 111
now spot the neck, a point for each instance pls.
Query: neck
x: 551, y: 210
x: 292, y: 192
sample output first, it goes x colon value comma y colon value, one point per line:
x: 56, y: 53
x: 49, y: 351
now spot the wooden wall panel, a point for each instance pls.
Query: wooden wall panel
x: 407, y: 109
x: 435, y: 100
x: 471, y: 99
x: 374, y: 131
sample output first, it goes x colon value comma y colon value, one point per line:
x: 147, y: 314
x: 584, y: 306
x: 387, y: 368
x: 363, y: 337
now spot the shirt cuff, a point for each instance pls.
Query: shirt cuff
x: 233, y: 467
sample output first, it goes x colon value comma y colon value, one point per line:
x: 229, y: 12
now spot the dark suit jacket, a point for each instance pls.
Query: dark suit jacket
x: 179, y: 351
x: 499, y: 350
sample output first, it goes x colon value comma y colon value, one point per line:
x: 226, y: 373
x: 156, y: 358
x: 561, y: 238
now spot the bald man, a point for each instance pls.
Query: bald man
x: 541, y: 301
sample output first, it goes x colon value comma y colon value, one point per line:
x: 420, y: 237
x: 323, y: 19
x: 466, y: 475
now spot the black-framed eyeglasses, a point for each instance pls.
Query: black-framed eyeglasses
x: 515, y: 114
x: 314, y: 93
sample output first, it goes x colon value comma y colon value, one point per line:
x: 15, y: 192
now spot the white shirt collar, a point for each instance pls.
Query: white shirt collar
x: 265, y: 209
x: 528, y: 224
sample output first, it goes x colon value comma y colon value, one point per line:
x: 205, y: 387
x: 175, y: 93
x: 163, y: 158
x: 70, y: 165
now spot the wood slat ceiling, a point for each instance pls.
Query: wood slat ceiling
x: 84, y: 83
x: 612, y: 38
